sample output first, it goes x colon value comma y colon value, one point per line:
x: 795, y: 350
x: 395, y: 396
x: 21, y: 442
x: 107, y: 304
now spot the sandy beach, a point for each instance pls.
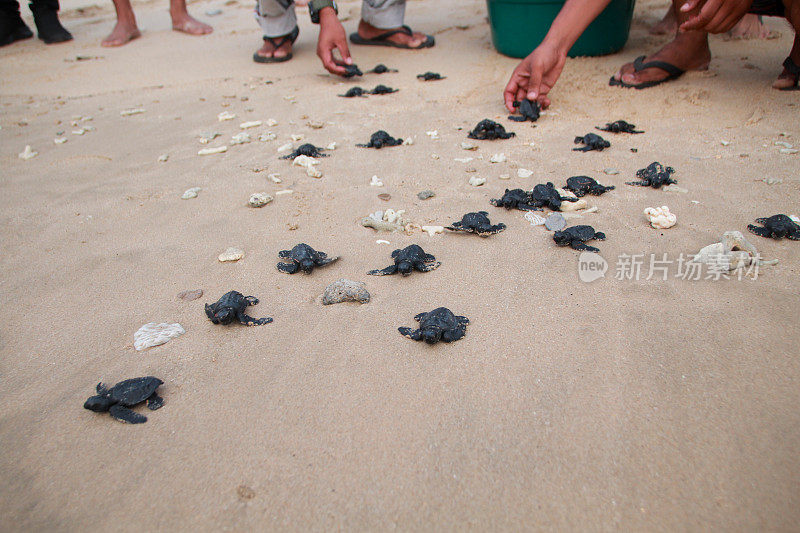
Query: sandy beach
x: 621, y: 404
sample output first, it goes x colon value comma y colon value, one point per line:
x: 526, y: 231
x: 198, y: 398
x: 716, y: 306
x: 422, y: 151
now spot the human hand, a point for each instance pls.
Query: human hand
x: 535, y: 76
x: 713, y: 16
x: 332, y: 37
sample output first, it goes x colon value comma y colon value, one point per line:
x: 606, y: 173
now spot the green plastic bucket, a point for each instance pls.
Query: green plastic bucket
x: 518, y: 26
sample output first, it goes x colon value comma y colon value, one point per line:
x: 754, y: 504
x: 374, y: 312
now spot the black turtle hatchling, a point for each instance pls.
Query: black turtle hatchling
x: 303, y: 257
x: 528, y: 110
x: 591, y: 141
x: 353, y: 92
x: 352, y: 70
x: 619, y: 126
x: 380, y: 68
x: 383, y: 89
x: 231, y: 306
x: 488, y: 130
x: 583, y: 185
x: 438, y: 325
x: 576, y: 237
x: 776, y: 227
x: 654, y: 175
x: 430, y: 76
x: 408, y: 259
x: 306, y: 149
x: 379, y: 139
x: 546, y: 195
x: 477, y: 223
x: 118, y: 400
x: 516, y: 199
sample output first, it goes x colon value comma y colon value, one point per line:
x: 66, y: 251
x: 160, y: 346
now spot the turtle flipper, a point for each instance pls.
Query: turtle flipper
x: 529, y: 207
x: 583, y: 247
x: 462, y: 320
x: 289, y: 268
x: 388, y: 271
x: 324, y: 260
x: 415, y: 334
x: 600, y: 236
x: 285, y: 253
x: 251, y: 300
x: 456, y: 226
x: 155, y: 402
x: 123, y: 414
x: 639, y: 183
x: 250, y: 321
x: 420, y: 316
x: 454, y: 334
x: 102, y: 390
x: 490, y: 230
x: 427, y: 266
x: 761, y: 232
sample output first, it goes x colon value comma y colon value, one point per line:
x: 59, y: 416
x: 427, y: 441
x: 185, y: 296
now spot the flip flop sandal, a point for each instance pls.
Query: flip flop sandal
x: 638, y: 66
x: 794, y: 70
x: 383, y: 39
x: 292, y: 37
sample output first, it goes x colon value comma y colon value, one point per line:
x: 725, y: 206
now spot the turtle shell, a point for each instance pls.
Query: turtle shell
x: 133, y: 391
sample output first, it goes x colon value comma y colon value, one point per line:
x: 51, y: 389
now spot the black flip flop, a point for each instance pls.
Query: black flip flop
x: 794, y: 70
x: 638, y: 66
x: 383, y: 39
x: 292, y: 37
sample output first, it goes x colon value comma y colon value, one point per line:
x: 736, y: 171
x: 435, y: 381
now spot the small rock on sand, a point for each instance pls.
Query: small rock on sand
x: 555, y: 222
x: 231, y: 254
x: 259, y: 199
x: 211, y: 151
x: 28, y: 153
x: 189, y: 296
x: 475, y: 181
x: 524, y: 173
x: 153, y: 334
x: 345, y: 290
x: 424, y: 195
x: 191, y: 193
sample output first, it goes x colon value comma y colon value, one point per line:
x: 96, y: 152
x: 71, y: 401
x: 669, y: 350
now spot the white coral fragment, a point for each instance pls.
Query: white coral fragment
x: 660, y: 217
x: 153, y: 334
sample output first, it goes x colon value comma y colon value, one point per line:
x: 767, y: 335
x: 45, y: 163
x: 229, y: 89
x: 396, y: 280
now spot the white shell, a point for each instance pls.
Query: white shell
x: 313, y: 172
x: 153, y: 334
x: 250, y: 124
x: 297, y: 137
x: 211, y: 151
x: 225, y: 115
x: 534, y: 219
x: 241, y: 138
x: 59, y: 140
x: 231, y: 254
x: 191, y: 193
x: 408, y: 141
x: 375, y: 182
x: 660, y: 217
x: 524, y: 173
x: 163, y: 158
x: 271, y: 122
x: 266, y: 137
x: 275, y: 178
x: 432, y: 230
x: 498, y: 158
x: 504, y: 176
x: 304, y: 161
x: 284, y: 191
x: 475, y: 181
x: 28, y: 153
x: 259, y: 199
x: 129, y: 112
x: 468, y: 146
x: 332, y: 146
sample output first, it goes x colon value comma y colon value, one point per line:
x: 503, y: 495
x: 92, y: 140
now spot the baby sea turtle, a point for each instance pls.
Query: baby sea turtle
x: 619, y: 126
x: 438, y: 325
x: 654, y: 175
x: 477, y: 223
x: 488, y: 130
x: 379, y: 139
x: 516, y: 199
x: 777, y: 227
x: 592, y: 141
x: 383, y: 89
x: 306, y: 149
x: 407, y: 260
x: 582, y: 185
x: 380, y: 68
x: 529, y: 109
x: 576, y: 236
x: 303, y: 257
x: 430, y: 76
x: 118, y: 399
x: 351, y: 70
x: 232, y: 307
x: 546, y: 195
x: 353, y: 92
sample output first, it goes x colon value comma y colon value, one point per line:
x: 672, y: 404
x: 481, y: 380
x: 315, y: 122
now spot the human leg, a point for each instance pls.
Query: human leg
x: 278, y: 23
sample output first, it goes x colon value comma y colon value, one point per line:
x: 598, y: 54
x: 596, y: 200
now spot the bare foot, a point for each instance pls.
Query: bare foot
x: 750, y: 27
x: 121, y: 34
x: 187, y: 24
x: 790, y: 77
x: 668, y: 25
x: 368, y: 31
x: 689, y: 51
x: 269, y: 50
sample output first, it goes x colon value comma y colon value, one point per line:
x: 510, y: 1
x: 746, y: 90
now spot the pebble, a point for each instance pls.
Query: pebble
x: 463, y: 159
x: 498, y: 158
x: 505, y: 176
x: 434, y: 156
x: 259, y: 199
x: 314, y: 125
x: 297, y: 137
x: 275, y: 178
x: 434, y: 134
x: 611, y: 171
x: 250, y: 124
x: 475, y: 181
x: 59, y: 140
x: 80, y: 131
x: 725, y: 143
x: 555, y: 222
x: 574, y: 206
x: 468, y: 146
x: 375, y: 182
x: 424, y: 195
x: 284, y: 191
x: 190, y: 295
x: 674, y: 188
x: 129, y: 112
x: 772, y: 181
x: 206, y: 138
x: 432, y: 230
x: 285, y: 147
x: 266, y: 137
x: 28, y: 153
x: 660, y: 217
x: 163, y: 158
x: 225, y: 115
x: 534, y: 219
x: 524, y: 173
x: 211, y: 151
x: 345, y: 290
x: 153, y: 334
x: 241, y: 138
x: 408, y: 141
x: 231, y: 254
x: 331, y: 146
x: 271, y: 122
x: 789, y: 150
x: 784, y: 144
x: 191, y: 193
x: 385, y: 196
x: 381, y: 241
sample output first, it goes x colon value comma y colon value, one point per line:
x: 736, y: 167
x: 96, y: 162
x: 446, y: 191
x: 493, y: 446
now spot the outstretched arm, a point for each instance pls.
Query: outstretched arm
x: 536, y: 74
x: 332, y: 37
